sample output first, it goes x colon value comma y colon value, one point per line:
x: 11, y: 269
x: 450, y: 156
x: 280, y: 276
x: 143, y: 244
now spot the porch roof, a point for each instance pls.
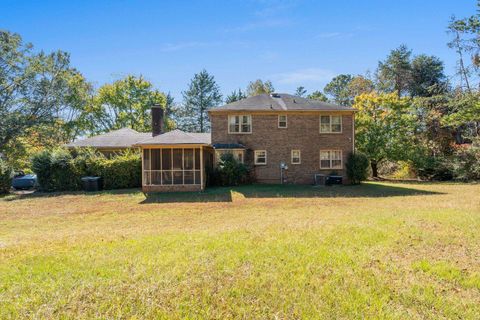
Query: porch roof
x: 228, y: 146
x: 175, y: 137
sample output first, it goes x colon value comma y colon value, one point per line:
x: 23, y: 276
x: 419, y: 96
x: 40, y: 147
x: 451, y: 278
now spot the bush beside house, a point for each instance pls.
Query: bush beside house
x: 6, y: 174
x: 229, y: 172
x: 60, y: 170
x: 357, y: 167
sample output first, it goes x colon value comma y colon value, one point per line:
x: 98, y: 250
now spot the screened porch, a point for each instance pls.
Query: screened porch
x: 172, y: 166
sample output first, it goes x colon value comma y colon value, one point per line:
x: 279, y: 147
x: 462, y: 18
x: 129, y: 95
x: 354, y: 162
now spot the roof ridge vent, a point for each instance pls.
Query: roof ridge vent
x: 275, y: 95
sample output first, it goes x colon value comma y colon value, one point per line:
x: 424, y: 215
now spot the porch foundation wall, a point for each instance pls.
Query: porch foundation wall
x: 171, y: 188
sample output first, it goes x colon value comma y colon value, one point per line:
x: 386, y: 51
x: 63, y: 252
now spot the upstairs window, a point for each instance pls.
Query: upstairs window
x: 330, y: 159
x: 240, y: 124
x: 282, y: 121
x: 261, y: 157
x: 296, y: 157
x: 330, y: 124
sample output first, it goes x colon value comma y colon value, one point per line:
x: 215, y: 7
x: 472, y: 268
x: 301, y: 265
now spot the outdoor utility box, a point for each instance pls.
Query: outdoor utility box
x: 92, y: 183
x: 319, y: 179
x: 331, y: 180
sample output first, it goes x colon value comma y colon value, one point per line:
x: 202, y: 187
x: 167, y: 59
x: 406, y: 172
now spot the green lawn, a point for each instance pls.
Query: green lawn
x: 380, y: 250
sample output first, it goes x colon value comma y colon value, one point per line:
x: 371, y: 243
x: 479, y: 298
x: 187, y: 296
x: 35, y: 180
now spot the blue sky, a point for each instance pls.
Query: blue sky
x: 292, y: 43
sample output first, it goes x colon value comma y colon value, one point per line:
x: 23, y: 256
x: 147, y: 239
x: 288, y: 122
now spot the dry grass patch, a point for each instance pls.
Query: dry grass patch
x: 380, y: 250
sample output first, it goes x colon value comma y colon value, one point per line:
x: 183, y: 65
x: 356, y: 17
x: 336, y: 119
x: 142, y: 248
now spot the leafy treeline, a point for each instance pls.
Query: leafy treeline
x: 411, y: 117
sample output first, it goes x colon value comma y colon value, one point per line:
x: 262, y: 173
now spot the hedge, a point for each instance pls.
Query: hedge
x: 6, y: 174
x: 357, y: 167
x: 61, y: 170
x: 229, y: 172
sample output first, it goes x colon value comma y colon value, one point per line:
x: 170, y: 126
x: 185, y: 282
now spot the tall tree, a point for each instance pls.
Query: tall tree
x: 464, y: 116
x: 38, y: 89
x: 259, y: 87
x: 426, y: 72
x: 235, y: 96
x: 384, y: 128
x: 394, y: 74
x: 359, y: 85
x: 317, y: 95
x: 338, y: 89
x: 465, y: 42
x: 202, y: 94
x: 300, y: 91
x: 124, y: 103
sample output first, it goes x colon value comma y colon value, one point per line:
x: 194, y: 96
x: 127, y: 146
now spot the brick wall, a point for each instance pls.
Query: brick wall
x: 302, y: 133
x: 172, y: 188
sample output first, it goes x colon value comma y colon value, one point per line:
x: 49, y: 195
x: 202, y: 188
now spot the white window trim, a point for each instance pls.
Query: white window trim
x: 299, y: 157
x: 330, y: 124
x: 255, y: 157
x: 330, y: 159
x: 239, y: 115
x: 286, y: 121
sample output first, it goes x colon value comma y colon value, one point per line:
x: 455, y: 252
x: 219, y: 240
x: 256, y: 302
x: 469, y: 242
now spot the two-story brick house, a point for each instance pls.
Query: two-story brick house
x: 271, y: 132
x: 283, y: 138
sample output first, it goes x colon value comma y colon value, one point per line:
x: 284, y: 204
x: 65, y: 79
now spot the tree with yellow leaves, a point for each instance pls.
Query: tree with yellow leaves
x: 385, y: 127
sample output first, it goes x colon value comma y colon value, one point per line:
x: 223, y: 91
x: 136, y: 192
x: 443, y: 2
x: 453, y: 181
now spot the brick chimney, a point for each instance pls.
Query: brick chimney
x: 157, y: 120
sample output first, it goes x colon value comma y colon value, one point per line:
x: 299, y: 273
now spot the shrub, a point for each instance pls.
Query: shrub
x: 466, y: 164
x: 41, y: 165
x: 437, y: 168
x: 229, y: 172
x: 54, y: 170
x: 121, y: 171
x: 405, y: 170
x: 357, y: 167
x: 58, y: 170
x: 6, y: 174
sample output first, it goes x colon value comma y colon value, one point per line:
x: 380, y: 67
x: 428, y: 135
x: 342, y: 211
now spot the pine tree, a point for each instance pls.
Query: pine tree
x: 202, y: 94
x: 300, y: 92
x: 235, y: 96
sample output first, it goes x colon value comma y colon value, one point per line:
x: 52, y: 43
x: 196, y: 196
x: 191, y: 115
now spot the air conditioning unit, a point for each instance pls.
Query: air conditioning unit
x: 320, y: 179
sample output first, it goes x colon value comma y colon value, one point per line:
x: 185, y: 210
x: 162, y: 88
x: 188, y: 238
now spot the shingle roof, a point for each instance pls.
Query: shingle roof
x: 177, y: 137
x: 122, y: 138
x: 280, y: 102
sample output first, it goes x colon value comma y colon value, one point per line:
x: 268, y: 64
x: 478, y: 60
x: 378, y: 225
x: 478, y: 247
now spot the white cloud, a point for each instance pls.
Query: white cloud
x: 269, y: 56
x: 333, y: 35
x: 170, y: 47
x: 303, y: 76
x: 262, y: 24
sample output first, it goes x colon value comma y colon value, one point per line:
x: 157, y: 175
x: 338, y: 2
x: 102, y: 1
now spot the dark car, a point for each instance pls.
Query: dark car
x: 24, y: 181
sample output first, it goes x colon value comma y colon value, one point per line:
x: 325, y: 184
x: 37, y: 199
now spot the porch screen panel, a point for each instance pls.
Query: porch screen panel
x: 146, y: 159
x: 197, y: 159
x: 177, y: 159
x: 178, y: 177
x: 166, y: 159
x: 167, y: 166
x: 146, y: 167
x: 188, y: 164
x: 167, y: 177
x: 155, y: 154
x: 188, y: 177
x: 188, y: 159
x: 155, y: 163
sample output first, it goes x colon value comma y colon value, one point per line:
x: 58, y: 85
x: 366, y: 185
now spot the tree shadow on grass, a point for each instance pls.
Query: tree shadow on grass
x: 31, y: 194
x: 226, y: 194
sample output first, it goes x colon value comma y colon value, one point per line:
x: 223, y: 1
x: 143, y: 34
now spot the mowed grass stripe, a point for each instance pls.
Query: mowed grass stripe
x: 258, y: 257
